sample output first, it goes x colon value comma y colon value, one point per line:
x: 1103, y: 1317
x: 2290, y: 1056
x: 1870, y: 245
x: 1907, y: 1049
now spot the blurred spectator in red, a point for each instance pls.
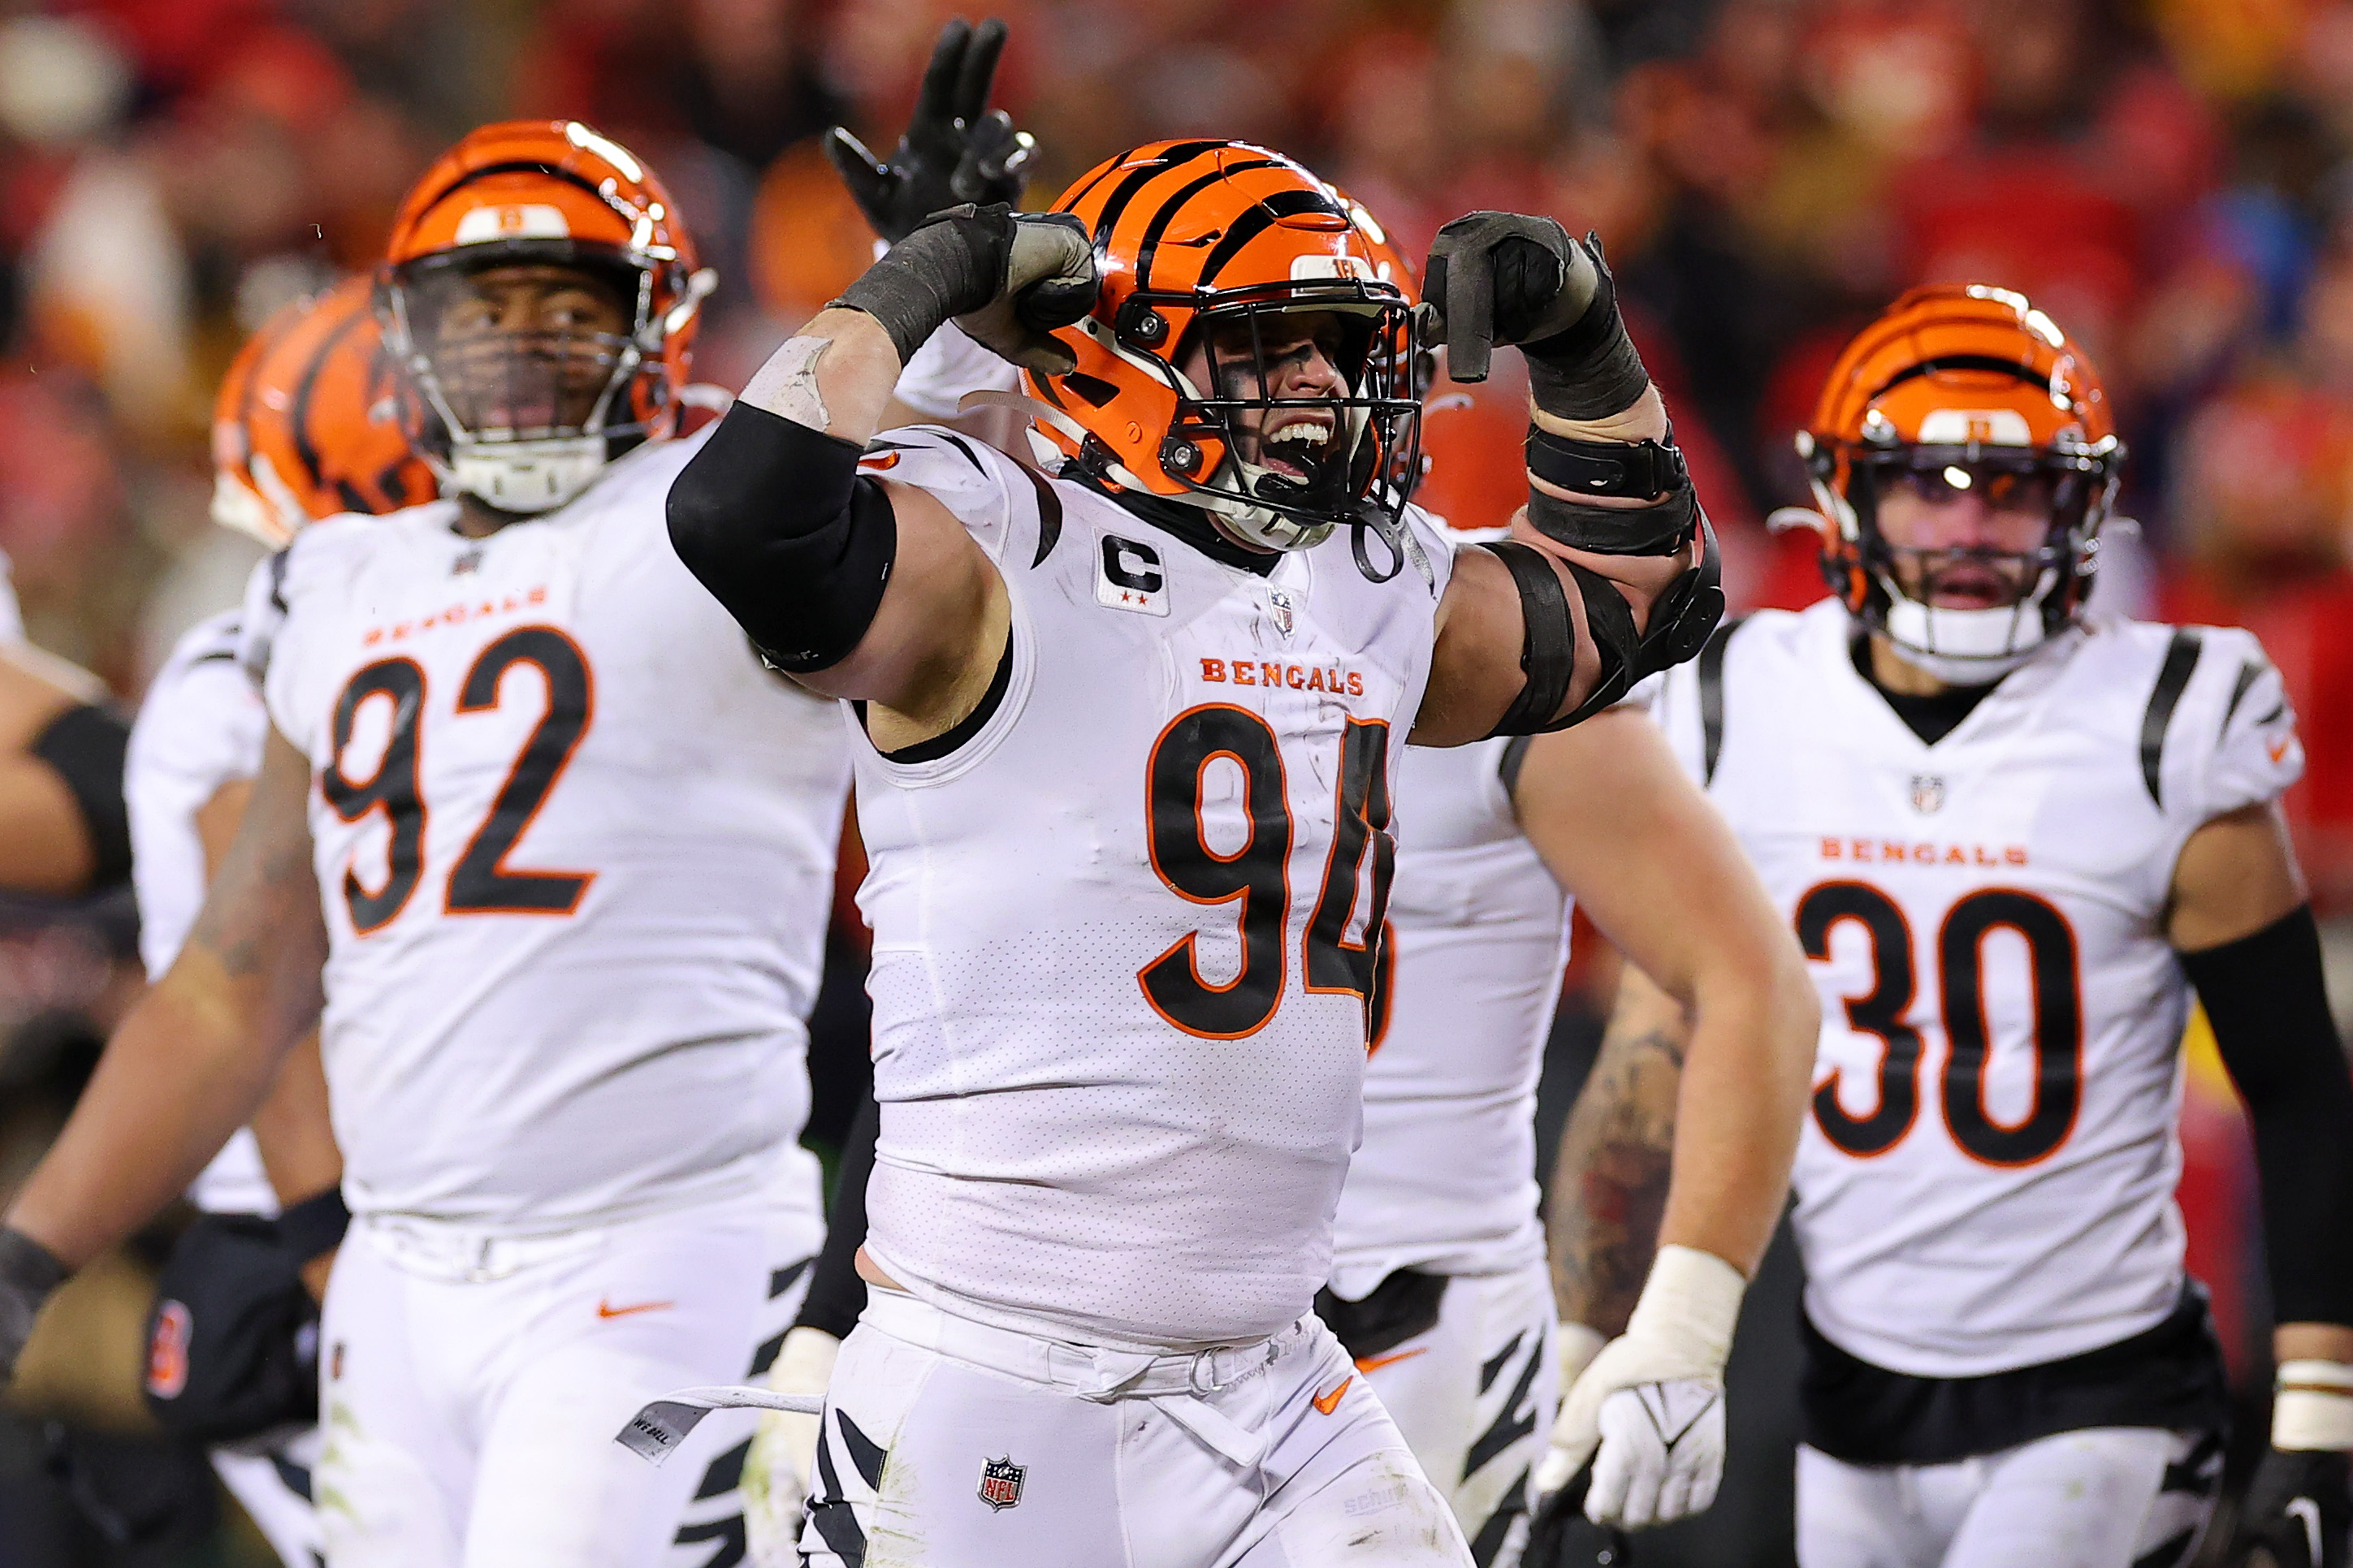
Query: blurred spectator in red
x: 2265, y: 493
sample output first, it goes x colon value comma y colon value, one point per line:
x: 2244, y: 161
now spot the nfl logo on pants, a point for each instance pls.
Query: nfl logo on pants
x: 1001, y: 1483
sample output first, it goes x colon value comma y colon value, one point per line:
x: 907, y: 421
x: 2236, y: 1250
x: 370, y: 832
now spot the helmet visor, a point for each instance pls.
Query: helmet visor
x: 525, y: 350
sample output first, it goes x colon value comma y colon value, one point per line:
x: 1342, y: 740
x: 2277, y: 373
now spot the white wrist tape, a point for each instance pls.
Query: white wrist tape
x: 1691, y: 1301
x: 2313, y: 1405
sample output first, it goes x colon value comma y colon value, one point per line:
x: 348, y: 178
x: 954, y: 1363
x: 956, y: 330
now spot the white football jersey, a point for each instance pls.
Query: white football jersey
x: 199, y: 728
x: 1445, y: 1179
x: 576, y: 850
x: 1121, y: 930
x: 1985, y: 1179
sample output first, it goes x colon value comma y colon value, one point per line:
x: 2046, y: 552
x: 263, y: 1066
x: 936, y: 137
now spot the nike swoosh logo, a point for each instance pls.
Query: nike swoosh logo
x: 1327, y: 1402
x: 1374, y: 1362
x: 2277, y: 749
x: 606, y: 1309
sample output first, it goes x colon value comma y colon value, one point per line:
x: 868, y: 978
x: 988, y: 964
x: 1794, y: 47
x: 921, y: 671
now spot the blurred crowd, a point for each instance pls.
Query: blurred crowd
x: 2172, y: 180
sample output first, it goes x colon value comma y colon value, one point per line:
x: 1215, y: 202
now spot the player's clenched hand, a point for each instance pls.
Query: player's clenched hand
x: 954, y: 150
x: 776, y: 1470
x: 1653, y: 1400
x: 1008, y: 279
x: 1504, y: 277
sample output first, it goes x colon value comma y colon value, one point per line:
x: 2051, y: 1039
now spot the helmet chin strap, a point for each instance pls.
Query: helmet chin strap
x: 1968, y: 648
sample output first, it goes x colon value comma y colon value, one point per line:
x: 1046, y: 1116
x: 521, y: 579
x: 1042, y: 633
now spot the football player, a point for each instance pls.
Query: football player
x: 1126, y: 737
x: 555, y: 854
x: 297, y: 436
x: 2015, y: 836
x: 1439, y: 1291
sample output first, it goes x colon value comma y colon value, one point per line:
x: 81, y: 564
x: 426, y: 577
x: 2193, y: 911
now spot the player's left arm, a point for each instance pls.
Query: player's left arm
x: 1611, y: 572
x: 2241, y: 919
x: 63, y: 826
x: 1625, y: 830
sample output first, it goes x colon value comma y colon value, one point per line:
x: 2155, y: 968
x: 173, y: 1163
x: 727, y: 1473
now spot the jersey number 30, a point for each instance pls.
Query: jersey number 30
x: 1257, y: 875
x: 2058, y: 1021
x: 480, y: 883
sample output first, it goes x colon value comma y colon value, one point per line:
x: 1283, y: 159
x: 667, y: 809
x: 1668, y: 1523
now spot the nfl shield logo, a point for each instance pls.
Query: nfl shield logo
x: 1927, y: 793
x: 1279, y: 598
x: 1001, y: 1483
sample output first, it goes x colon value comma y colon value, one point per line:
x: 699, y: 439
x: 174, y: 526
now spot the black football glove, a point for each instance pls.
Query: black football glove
x: 1560, y: 1536
x: 2297, y: 1513
x: 1010, y: 279
x: 954, y: 151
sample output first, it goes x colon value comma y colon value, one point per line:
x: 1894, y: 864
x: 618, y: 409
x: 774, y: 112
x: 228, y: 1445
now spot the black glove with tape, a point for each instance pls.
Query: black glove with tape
x: 954, y: 149
x: 1010, y: 279
x: 30, y: 1274
x: 233, y: 1337
x: 2298, y: 1512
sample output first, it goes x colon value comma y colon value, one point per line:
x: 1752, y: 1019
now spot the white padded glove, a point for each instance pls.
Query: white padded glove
x: 776, y: 1470
x: 1652, y: 1399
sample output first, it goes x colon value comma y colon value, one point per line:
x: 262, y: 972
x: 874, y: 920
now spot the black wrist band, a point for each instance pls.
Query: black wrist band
x: 27, y: 1267
x: 1591, y: 369
x: 314, y: 1227
x: 1640, y: 471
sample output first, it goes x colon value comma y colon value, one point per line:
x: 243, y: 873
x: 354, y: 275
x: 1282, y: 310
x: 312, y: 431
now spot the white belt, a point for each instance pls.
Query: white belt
x: 458, y: 1253
x: 1171, y: 1382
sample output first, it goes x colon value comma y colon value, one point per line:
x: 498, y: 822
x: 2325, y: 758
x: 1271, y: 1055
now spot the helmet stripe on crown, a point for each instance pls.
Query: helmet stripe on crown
x: 1176, y: 205
x: 1986, y: 362
x: 1259, y: 219
x: 1168, y: 159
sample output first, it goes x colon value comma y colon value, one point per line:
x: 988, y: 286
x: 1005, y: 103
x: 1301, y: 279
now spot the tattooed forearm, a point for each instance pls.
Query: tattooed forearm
x: 1609, y: 1184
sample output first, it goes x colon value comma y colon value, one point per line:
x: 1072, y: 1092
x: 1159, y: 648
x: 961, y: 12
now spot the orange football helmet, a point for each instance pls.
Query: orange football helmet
x: 304, y: 427
x: 1198, y: 243
x: 526, y: 421
x: 1956, y: 386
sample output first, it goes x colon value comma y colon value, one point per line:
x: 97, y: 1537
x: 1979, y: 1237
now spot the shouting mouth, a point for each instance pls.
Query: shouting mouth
x: 1300, y: 445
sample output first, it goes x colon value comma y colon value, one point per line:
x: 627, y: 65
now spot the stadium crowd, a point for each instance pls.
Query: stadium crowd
x: 2172, y: 179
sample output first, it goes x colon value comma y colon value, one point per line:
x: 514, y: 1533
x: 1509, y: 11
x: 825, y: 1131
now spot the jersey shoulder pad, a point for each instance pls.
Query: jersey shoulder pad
x: 972, y: 478
x: 201, y: 716
x: 2216, y: 729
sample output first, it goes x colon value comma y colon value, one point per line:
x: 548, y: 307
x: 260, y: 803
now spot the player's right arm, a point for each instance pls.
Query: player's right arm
x: 190, y: 1064
x: 855, y: 587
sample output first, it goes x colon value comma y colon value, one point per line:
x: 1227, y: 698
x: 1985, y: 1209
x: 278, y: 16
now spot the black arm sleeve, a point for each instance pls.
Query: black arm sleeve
x: 775, y: 518
x: 2263, y: 995
x: 85, y: 747
x: 836, y: 1294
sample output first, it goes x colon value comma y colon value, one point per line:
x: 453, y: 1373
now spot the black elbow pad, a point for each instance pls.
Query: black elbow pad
x: 775, y: 518
x: 85, y: 747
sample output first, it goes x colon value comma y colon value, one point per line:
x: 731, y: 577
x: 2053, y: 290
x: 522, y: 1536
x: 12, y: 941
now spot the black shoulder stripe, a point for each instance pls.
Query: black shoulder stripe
x: 1711, y: 698
x: 1514, y: 758
x: 1049, y: 516
x: 278, y: 579
x: 969, y: 455
x: 2249, y: 673
x: 2173, y: 679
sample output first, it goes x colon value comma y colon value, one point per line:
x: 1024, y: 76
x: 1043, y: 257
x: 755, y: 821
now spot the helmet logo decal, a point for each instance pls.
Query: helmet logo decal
x: 1975, y: 427
x: 526, y: 220
x: 1306, y: 267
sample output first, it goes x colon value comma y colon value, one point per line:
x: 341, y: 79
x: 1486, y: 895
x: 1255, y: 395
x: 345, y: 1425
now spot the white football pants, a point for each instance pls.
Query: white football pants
x: 949, y: 1444
x: 274, y: 1490
x: 471, y: 1386
x: 2108, y: 1497
x: 1474, y: 1396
